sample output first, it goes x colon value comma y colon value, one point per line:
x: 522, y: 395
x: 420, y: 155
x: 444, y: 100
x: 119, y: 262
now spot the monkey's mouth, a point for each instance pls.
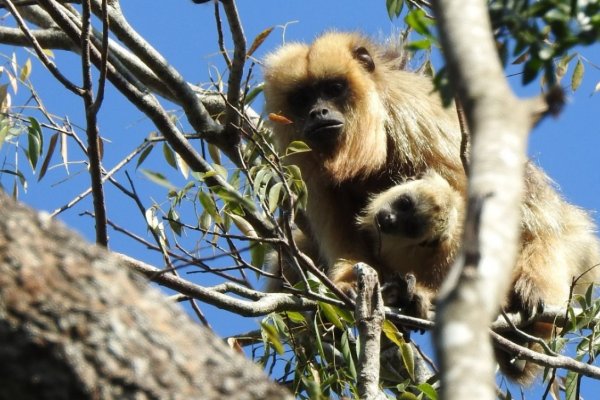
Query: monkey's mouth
x: 325, y: 128
x: 325, y: 134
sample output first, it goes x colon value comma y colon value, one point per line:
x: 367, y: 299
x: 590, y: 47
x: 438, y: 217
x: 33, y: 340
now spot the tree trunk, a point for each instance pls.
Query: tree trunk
x: 76, y: 323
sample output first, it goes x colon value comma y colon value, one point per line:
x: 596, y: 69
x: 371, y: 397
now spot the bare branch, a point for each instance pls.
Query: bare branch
x: 369, y: 314
x: 91, y: 115
x: 263, y: 304
x: 104, y: 51
x: 550, y: 361
x: 482, y: 271
x: 232, y: 120
x: 195, y: 111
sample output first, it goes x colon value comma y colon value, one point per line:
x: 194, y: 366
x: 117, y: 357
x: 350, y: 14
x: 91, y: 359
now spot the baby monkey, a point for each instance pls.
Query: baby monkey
x: 416, y: 229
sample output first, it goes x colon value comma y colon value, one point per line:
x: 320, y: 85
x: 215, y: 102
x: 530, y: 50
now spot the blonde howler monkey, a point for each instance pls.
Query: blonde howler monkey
x: 371, y: 126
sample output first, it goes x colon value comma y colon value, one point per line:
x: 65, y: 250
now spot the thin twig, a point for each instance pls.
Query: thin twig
x: 236, y: 72
x: 104, y: 62
x: 91, y: 115
x: 220, y: 39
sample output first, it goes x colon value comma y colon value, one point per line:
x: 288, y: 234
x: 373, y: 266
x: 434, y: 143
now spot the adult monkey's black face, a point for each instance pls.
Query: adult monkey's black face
x: 320, y: 106
x: 318, y: 109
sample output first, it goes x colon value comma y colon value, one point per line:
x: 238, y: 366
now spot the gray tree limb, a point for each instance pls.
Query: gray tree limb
x: 471, y: 296
x: 370, y: 314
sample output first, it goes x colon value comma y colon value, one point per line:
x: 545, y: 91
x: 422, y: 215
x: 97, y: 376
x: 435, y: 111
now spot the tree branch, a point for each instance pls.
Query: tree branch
x: 232, y: 119
x: 263, y: 303
x: 482, y: 271
x: 91, y: 115
x: 370, y: 315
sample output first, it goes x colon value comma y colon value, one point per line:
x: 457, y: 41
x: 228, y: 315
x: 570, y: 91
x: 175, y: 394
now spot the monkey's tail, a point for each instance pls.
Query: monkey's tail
x: 518, y: 370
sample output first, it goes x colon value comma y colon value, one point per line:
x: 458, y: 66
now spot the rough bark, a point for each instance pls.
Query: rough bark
x: 499, y: 124
x: 75, y: 323
x: 370, y: 314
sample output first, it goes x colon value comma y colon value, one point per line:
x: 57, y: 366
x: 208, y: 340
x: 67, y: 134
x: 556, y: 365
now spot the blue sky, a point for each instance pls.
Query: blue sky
x: 567, y: 148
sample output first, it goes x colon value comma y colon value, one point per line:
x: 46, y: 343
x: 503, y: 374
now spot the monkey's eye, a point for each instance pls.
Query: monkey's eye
x: 334, y: 89
x: 300, y: 99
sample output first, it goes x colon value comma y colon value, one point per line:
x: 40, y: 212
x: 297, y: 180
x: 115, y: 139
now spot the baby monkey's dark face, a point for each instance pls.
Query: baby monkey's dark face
x: 402, y: 216
x: 319, y: 114
x: 419, y: 212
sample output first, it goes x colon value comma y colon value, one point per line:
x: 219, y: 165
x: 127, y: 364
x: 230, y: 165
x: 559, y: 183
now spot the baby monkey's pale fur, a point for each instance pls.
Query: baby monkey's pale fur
x: 371, y: 126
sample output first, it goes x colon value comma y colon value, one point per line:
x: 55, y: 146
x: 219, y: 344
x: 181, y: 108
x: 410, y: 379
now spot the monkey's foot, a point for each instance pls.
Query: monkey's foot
x: 402, y: 292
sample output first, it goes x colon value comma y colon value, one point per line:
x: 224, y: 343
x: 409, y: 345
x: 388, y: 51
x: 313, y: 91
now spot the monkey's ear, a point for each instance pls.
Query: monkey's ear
x: 362, y: 55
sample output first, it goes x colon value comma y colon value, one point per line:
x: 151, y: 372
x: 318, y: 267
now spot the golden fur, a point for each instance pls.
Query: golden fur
x: 558, y: 245
x: 396, y: 129
x: 427, y: 254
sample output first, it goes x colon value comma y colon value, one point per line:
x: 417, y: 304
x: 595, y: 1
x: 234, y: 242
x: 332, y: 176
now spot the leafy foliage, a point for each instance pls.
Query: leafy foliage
x: 543, y: 31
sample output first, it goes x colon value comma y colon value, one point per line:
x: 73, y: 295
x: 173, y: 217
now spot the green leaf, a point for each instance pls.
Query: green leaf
x: 35, y: 142
x: 417, y: 20
x: 244, y: 226
x: 274, y: 195
x: 169, y: 155
x: 428, y: 390
x: 347, y: 353
x: 143, y: 156
x: 158, y: 178
x: 271, y: 336
x: 295, y: 317
x: 215, y: 154
x: 258, y: 252
x: 173, y: 219
x: 330, y: 314
x: 423, y: 44
x: 3, y: 133
x: 408, y: 359
x: 577, y: 76
x: 26, y: 70
x: 251, y: 95
x: 407, y: 396
x: 205, y: 221
x: 391, y: 332
x: 182, y: 166
x: 394, y: 8
x: 220, y: 170
x: 151, y: 218
x: 262, y: 177
x: 563, y: 65
x: 208, y: 204
x: 46, y: 162
x: 3, y: 93
x: 36, y: 129
x: 571, y: 386
x: 18, y: 174
x: 297, y: 146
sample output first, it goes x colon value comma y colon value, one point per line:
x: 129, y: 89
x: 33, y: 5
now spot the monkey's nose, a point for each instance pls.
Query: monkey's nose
x: 317, y: 113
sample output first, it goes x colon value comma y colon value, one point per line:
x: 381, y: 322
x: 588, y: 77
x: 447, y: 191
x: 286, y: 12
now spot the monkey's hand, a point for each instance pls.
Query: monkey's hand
x: 403, y: 292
